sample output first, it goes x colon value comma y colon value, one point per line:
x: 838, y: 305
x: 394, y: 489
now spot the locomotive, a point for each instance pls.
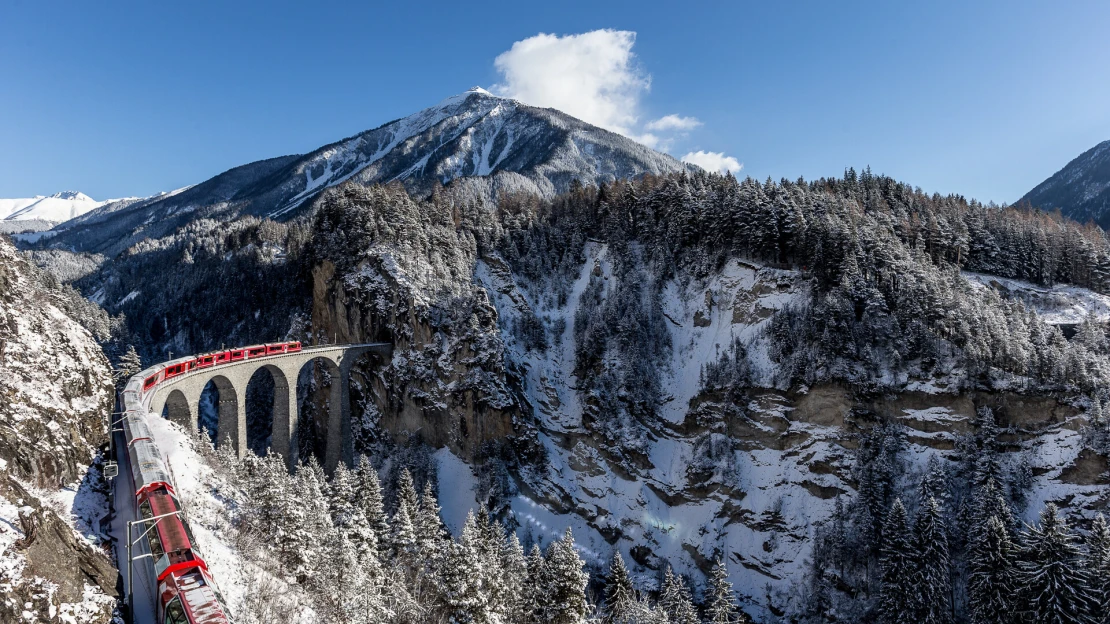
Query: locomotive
x: 185, y: 592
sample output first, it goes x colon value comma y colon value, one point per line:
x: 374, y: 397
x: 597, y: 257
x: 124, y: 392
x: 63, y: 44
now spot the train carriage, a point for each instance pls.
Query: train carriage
x: 186, y: 594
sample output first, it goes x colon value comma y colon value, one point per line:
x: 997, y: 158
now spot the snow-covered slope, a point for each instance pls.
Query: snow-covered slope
x: 57, y: 396
x: 1081, y: 190
x: 56, y: 208
x: 1062, y: 304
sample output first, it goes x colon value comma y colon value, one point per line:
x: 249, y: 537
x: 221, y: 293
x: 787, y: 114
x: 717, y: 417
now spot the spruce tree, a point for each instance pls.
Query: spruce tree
x: 129, y: 364
x: 402, y: 544
x: 1055, y: 588
x: 368, y: 493
x: 896, y: 564
x: 537, y: 598
x: 565, y: 583
x: 675, y: 600
x: 462, y: 595
x: 620, y: 595
x: 1098, y: 567
x: 430, y: 532
x: 339, y: 582
x: 720, y: 605
x: 406, y: 494
x: 992, y: 582
x: 931, y: 575
x: 514, y: 578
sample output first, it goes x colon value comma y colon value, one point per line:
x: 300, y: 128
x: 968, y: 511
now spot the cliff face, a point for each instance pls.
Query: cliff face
x: 732, y: 464
x: 446, y: 382
x: 55, y: 400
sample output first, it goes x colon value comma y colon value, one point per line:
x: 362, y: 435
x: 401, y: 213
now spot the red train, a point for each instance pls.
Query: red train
x: 185, y: 592
x: 218, y: 358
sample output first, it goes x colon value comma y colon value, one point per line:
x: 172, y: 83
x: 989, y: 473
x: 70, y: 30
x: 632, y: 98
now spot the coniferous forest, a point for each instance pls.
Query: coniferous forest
x: 888, y: 302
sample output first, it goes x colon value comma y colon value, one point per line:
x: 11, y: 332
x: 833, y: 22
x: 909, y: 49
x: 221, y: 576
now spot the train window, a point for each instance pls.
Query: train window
x: 175, y: 613
x: 152, y: 535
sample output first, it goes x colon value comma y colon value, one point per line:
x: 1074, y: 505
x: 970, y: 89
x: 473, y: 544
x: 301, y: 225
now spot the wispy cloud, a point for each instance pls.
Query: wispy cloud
x: 673, y: 122
x: 592, y: 76
x: 713, y: 161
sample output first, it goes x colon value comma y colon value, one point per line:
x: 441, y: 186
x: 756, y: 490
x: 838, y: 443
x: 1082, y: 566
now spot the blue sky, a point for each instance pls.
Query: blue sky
x: 117, y: 99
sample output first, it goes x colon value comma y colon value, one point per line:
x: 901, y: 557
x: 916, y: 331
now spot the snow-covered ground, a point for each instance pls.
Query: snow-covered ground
x: 81, y: 505
x: 1062, y: 304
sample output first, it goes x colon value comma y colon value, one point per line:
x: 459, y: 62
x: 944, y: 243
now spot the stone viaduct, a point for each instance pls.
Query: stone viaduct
x: 180, y: 397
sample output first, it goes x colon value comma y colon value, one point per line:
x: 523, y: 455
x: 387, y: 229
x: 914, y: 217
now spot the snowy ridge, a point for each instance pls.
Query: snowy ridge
x: 1081, y: 190
x: 488, y: 144
x: 55, y: 208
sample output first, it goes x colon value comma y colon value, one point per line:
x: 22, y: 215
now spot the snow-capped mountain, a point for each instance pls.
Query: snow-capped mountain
x: 508, y: 145
x: 1081, y: 190
x: 50, y: 210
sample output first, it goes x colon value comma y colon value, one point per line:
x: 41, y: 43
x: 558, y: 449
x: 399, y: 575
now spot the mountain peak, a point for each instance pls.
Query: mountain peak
x: 1081, y: 190
x: 72, y: 195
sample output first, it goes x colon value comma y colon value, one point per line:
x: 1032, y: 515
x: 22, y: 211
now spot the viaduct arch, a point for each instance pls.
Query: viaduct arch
x: 180, y: 398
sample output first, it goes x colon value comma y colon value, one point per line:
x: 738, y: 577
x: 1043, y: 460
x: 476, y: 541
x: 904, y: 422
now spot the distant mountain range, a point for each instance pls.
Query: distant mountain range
x: 500, y: 144
x: 42, y: 212
x: 1081, y: 190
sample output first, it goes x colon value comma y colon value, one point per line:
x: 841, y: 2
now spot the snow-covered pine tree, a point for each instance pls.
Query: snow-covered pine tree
x: 537, y: 600
x: 402, y: 545
x: 462, y: 595
x: 347, y: 514
x: 896, y: 562
x: 565, y: 581
x: 339, y: 582
x: 368, y: 493
x: 675, y: 600
x: 514, y: 577
x: 934, y: 483
x: 1055, y: 588
x: 720, y: 607
x: 406, y: 494
x: 992, y: 582
x: 341, y: 494
x: 620, y: 595
x: 129, y: 364
x: 931, y: 575
x: 1098, y: 567
x: 306, y: 518
x: 491, y: 540
x: 431, y: 535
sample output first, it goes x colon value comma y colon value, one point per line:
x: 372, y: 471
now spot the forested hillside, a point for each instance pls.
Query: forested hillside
x: 688, y: 368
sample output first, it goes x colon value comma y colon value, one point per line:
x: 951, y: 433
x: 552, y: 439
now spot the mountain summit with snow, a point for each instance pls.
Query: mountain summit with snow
x: 498, y: 144
x: 54, y: 209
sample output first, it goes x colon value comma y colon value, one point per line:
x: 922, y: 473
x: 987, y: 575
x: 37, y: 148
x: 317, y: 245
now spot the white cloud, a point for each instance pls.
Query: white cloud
x: 594, y: 76
x: 713, y: 161
x: 591, y: 76
x: 673, y: 122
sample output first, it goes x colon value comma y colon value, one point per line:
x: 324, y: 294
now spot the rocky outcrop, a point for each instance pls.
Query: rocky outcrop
x: 54, y: 380
x: 444, y: 385
x: 55, y: 400
x: 50, y: 567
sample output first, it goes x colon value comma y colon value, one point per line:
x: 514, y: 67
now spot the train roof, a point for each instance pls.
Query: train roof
x: 199, y: 598
x: 146, y: 464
